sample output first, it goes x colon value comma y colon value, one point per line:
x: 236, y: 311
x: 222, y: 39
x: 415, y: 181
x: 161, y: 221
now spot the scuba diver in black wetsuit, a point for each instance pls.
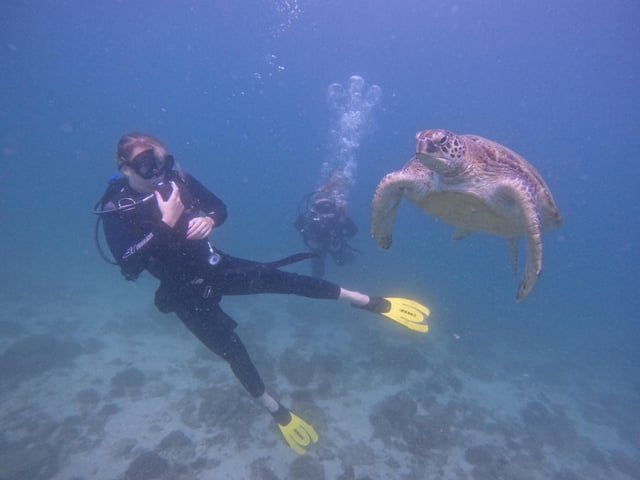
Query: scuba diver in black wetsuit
x: 326, y: 230
x: 157, y: 218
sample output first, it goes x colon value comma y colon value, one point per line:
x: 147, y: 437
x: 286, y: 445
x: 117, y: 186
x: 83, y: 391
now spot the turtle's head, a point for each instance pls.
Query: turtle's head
x: 440, y: 150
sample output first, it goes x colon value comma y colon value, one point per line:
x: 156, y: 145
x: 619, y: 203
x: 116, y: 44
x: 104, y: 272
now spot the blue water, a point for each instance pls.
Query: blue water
x: 238, y: 91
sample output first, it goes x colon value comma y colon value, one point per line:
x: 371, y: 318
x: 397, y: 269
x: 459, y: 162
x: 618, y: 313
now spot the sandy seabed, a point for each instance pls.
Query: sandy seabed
x: 94, y: 388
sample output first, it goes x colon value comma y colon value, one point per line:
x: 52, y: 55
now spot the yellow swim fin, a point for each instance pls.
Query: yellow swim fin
x: 296, y: 432
x: 408, y: 313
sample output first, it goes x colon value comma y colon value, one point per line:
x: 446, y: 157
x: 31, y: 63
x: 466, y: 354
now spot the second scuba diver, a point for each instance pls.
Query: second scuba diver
x: 157, y: 218
x: 326, y: 230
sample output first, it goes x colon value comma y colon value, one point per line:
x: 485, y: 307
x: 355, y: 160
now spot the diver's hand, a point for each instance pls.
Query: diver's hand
x: 172, y: 208
x: 200, y: 227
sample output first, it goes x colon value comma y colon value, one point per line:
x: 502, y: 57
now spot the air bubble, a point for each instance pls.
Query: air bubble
x: 351, y: 110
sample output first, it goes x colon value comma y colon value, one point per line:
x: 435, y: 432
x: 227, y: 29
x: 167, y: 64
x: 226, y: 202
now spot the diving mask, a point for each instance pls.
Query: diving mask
x: 148, y: 165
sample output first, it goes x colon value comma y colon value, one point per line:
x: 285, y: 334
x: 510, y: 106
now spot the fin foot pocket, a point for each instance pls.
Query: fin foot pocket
x: 296, y: 432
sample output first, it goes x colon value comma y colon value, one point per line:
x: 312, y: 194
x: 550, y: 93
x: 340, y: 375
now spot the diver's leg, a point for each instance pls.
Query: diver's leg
x: 222, y: 340
x: 214, y: 328
x: 357, y: 298
x: 237, y: 276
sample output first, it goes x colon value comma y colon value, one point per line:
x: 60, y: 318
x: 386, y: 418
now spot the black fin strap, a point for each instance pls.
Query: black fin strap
x: 282, y: 416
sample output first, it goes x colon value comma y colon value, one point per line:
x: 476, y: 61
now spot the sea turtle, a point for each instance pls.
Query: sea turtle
x: 474, y: 184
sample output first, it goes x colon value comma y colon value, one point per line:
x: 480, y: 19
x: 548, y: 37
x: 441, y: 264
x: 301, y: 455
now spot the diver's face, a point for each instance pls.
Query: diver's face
x: 146, y: 169
x: 139, y: 184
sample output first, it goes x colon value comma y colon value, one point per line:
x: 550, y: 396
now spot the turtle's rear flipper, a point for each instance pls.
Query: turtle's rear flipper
x: 533, y: 267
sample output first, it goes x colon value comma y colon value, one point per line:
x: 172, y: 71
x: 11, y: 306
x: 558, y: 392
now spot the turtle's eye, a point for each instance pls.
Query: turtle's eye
x: 439, y: 137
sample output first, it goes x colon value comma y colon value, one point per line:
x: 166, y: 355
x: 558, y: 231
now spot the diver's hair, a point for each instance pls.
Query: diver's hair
x: 131, y: 141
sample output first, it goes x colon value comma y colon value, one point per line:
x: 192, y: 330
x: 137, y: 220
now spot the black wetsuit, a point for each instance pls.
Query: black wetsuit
x: 193, y: 276
x: 326, y: 234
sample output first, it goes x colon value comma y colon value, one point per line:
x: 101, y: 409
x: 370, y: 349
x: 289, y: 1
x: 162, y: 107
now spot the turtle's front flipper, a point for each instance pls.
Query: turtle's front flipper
x: 384, y: 206
x: 413, y: 181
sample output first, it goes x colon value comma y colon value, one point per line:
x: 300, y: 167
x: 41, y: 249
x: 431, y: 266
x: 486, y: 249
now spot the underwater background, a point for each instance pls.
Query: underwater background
x: 244, y: 95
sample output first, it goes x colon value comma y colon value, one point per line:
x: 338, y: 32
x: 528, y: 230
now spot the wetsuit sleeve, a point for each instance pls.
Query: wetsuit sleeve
x: 210, y: 204
x: 132, y: 242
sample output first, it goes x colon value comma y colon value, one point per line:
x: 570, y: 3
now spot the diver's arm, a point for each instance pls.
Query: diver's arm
x: 213, y: 210
x: 210, y: 204
x: 172, y: 208
x: 132, y: 246
x: 200, y: 227
x: 123, y: 244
